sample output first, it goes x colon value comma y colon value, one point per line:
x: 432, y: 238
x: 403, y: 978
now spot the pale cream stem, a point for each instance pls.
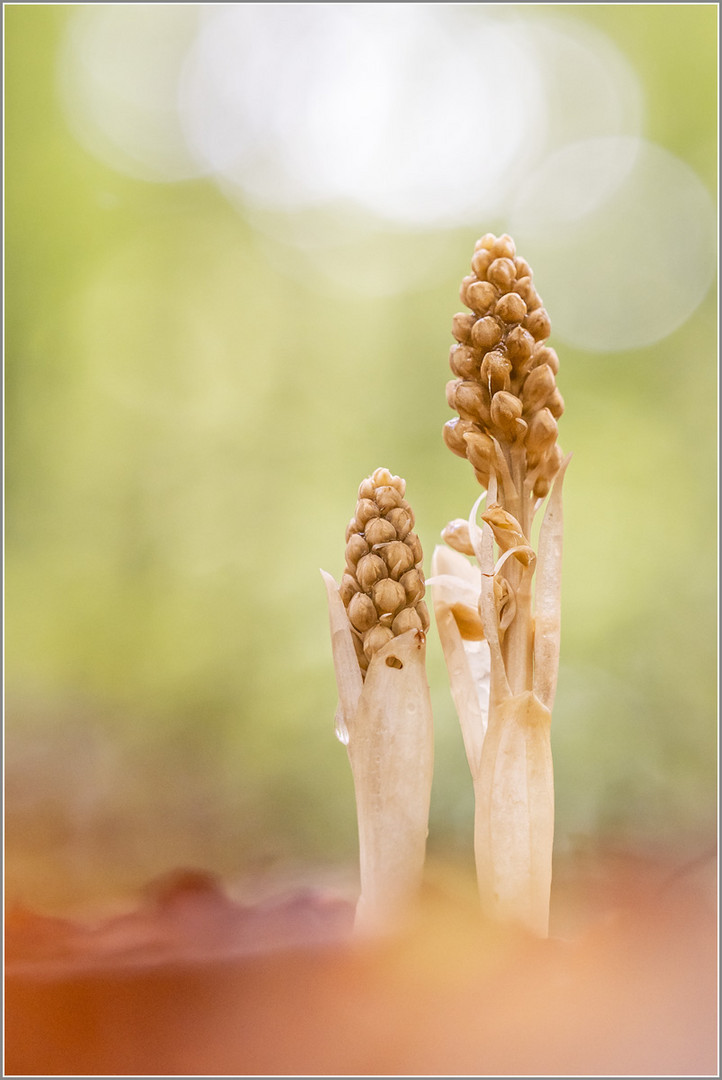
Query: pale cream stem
x: 514, y: 818
x: 391, y: 750
x: 525, y: 516
x: 547, y: 635
x: 518, y: 644
x: 484, y: 546
x: 510, y: 491
x: 518, y: 472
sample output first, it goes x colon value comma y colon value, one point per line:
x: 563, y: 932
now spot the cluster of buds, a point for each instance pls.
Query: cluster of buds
x: 383, y: 584
x: 505, y: 388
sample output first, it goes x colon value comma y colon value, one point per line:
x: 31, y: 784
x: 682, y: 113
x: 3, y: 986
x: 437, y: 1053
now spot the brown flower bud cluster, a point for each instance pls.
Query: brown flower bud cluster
x: 505, y: 386
x: 383, y: 583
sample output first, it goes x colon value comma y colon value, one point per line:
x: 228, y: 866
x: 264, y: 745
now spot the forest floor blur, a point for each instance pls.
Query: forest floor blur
x: 189, y: 979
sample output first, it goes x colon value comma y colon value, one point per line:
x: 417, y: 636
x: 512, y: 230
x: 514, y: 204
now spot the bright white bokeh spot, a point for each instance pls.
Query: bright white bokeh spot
x: 420, y: 115
x: 623, y: 235
x: 388, y: 107
x: 330, y: 125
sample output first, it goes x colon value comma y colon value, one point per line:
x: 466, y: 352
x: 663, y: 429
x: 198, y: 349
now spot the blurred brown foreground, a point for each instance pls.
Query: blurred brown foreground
x: 193, y: 983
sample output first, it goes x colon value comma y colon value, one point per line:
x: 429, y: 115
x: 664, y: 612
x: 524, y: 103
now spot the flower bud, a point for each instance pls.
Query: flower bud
x: 486, y: 241
x: 495, y: 372
x: 423, y: 612
x: 555, y: 403
x: 414, y: 587
x: 461, y: 326
x: 388, y: 596
x: 548, y: 470
x: 387, y: 498
x: 415, y: 545
x: 407, y: 619
x: 397, y: 558
x: 451, y: 388
x: 505, y: 411
x: 348, y: 588
x: 470, y: 279
x: 355, y: 548
x: 545, y: 355
x: 371, y: 568
x: 382, y: 477
x: 542, y: 487
x: 511, y: 308
x: 453, y: 432
x: 456, y: 535
x: 398, y: 482
x: 503, y: 246
x: 483, y: 476
x: 519, y: 346
x: 553, y: 460
x: 479, y: 449
x: 359, y: 647
x: 538, y: 324
x: 402, y: 520
x: 525, y: 287
x: 463, y: 361
x: 506, y: 529
x: 486, y: 333
x: 502, y: 273
x: 361, y: 611
x: 366, y: 509
x: 376, y: 638
x: 379, y: 531
x: 481, y: 261
x: 542, y: 431
x: 469, y: 401
x: 537, y: 388
x: 481, y: 296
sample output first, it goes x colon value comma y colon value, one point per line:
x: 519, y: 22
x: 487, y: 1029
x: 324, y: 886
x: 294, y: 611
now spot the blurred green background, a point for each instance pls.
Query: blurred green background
x: 209, y: 345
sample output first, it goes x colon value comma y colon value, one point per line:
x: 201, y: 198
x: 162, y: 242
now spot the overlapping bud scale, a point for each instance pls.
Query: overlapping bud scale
x: 505, y: 385
x: 383, y: 583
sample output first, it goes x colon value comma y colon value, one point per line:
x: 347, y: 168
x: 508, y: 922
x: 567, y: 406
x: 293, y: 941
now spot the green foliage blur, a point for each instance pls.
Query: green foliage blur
x: 188, y: 418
